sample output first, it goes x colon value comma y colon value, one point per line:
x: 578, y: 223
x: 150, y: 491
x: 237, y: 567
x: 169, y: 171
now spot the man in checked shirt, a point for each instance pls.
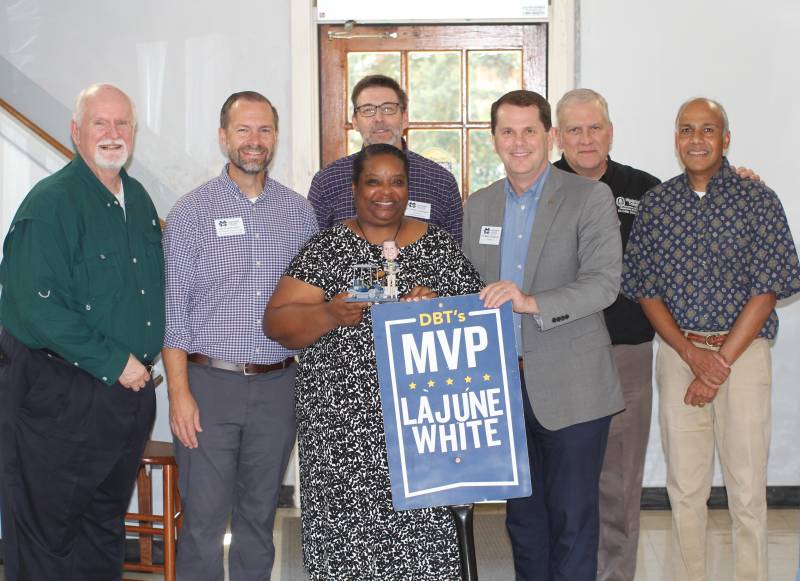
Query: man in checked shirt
x: 231, y: 390
x: 380, y: 114
x: 709, y: 255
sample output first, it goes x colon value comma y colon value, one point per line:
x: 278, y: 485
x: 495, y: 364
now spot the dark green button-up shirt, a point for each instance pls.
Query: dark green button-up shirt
x: 83, y: 278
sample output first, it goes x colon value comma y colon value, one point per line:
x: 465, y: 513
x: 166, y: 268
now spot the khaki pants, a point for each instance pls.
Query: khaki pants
x: 623, y: 466
x: 739, y: 421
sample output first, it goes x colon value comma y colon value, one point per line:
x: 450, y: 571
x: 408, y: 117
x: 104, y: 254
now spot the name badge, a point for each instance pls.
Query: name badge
x: 229, y: 226
x: 490, y: 235
x: 416, y: 209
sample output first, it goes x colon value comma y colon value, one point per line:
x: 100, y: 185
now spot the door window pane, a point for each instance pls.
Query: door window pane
x: 354, y: 141
x: 441, y: 145
x: 361, y: 64
x: 492, y: 73
x: 484, y: 165
x: 434, y: 86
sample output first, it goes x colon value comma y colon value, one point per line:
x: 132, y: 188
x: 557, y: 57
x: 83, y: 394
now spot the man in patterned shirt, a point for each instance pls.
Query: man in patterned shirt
x: 380, y: 114
x: 231, y: 390
x: 709, y: 255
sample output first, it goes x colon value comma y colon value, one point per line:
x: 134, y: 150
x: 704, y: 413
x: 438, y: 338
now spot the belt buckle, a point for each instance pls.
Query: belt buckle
x: 710, y: 338
x: 245, y: 372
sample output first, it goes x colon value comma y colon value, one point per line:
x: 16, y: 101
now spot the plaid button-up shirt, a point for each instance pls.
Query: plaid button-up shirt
x: 224, y: 255
x: 331, y: 193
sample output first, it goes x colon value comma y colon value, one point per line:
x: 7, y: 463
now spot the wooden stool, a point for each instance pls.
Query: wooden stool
x: 156, y: 454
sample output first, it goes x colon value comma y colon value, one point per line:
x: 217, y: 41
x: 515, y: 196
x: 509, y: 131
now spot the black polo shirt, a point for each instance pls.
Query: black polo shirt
x: 625, y: 319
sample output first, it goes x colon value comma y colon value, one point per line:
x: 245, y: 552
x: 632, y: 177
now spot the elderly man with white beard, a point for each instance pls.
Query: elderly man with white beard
x: 83, y: 313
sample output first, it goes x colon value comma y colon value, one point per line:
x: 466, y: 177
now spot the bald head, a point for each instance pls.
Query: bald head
x: 713, y: 105
x: 701, y: 139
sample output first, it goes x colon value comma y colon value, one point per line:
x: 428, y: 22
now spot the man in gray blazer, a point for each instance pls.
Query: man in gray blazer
x: 549, y: 242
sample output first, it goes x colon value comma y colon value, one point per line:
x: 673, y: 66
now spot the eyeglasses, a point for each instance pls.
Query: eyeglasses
x: 370, y: 110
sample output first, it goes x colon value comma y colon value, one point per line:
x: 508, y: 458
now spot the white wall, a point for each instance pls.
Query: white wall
x: 179, y: 60
x: 648, y: 57
x: 24, y: 161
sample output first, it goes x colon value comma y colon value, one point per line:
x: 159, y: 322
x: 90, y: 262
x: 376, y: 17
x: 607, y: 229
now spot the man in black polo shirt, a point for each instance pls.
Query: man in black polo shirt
x: 585, y: 134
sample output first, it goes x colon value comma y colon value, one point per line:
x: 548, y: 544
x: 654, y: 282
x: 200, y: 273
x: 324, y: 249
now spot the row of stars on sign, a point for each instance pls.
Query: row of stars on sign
x: 449, y: 381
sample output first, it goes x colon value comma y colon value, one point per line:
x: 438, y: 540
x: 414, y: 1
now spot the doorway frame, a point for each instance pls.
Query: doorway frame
x: 305, y: 119
x: 305, y: 131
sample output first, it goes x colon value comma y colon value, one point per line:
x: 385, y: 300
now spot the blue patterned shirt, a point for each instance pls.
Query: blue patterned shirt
x: 516, y: 235
x: 224, y: 255
x: 706, y: 257
x: 331, y: 193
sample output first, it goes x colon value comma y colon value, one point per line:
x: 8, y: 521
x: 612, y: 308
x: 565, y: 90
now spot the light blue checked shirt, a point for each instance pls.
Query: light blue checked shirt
x: 517, y: 227
x: 224, y: 255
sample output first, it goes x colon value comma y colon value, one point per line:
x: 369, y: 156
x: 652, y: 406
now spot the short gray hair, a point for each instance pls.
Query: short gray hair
x: 83, y: 96
x: 582, y: 96
x: 710, y: 102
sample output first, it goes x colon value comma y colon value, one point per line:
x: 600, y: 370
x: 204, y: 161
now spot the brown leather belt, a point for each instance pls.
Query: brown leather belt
x: 712, y: 340
x: 521, y: 364
x: 243, y: 368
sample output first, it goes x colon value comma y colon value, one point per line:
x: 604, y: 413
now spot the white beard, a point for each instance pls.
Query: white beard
x: 111, y: 159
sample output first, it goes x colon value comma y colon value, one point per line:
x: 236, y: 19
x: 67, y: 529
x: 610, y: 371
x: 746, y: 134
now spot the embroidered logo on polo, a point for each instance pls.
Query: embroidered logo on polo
x: 627, y: 206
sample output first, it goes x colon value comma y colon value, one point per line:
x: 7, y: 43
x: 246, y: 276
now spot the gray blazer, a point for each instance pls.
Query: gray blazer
x: 573, y: 269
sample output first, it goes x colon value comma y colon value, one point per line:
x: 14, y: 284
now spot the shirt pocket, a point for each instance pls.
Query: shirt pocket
x: 103, y: 275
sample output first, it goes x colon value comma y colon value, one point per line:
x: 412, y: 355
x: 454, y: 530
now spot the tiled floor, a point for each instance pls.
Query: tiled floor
x: 784, y: 545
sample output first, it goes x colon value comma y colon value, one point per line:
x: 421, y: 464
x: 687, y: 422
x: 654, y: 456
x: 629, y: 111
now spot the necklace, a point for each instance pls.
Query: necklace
x: 364, y: 234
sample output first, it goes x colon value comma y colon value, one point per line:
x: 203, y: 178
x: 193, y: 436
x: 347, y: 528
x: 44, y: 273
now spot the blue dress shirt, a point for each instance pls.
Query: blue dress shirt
x: 517, y: 227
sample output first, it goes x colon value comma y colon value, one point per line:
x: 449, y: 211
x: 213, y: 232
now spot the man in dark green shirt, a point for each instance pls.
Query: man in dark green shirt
x: 82, y: 308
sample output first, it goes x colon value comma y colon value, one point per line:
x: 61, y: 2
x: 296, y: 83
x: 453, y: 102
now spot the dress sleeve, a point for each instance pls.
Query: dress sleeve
x: 315, y: 263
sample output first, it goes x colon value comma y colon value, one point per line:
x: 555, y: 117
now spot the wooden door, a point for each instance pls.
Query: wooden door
x: 452, y: 74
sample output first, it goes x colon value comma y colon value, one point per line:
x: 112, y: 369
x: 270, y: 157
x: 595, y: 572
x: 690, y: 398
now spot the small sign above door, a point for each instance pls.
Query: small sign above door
x: 425, y: 11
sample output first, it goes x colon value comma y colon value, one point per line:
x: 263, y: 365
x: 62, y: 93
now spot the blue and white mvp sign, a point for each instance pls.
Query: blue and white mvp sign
x: 452, y: 405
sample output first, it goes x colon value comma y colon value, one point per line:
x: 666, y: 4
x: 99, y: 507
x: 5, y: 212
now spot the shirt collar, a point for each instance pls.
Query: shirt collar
x: 607, y: 176
x: 722, y: 174
x: 404, y: 147
x: 533, y: 192
x: 234, y: 188
x: 86, y: 173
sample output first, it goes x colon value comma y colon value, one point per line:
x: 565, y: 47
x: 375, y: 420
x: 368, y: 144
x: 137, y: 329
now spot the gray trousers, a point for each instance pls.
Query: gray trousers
x: 623, y: 467
x: 236, y: 471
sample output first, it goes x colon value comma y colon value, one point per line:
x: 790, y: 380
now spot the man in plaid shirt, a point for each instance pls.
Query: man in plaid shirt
x: 380, y: 114
x: 231, y: 389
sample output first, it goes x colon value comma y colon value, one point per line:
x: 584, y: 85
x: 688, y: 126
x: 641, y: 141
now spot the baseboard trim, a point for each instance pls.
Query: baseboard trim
x: 655, y: 498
